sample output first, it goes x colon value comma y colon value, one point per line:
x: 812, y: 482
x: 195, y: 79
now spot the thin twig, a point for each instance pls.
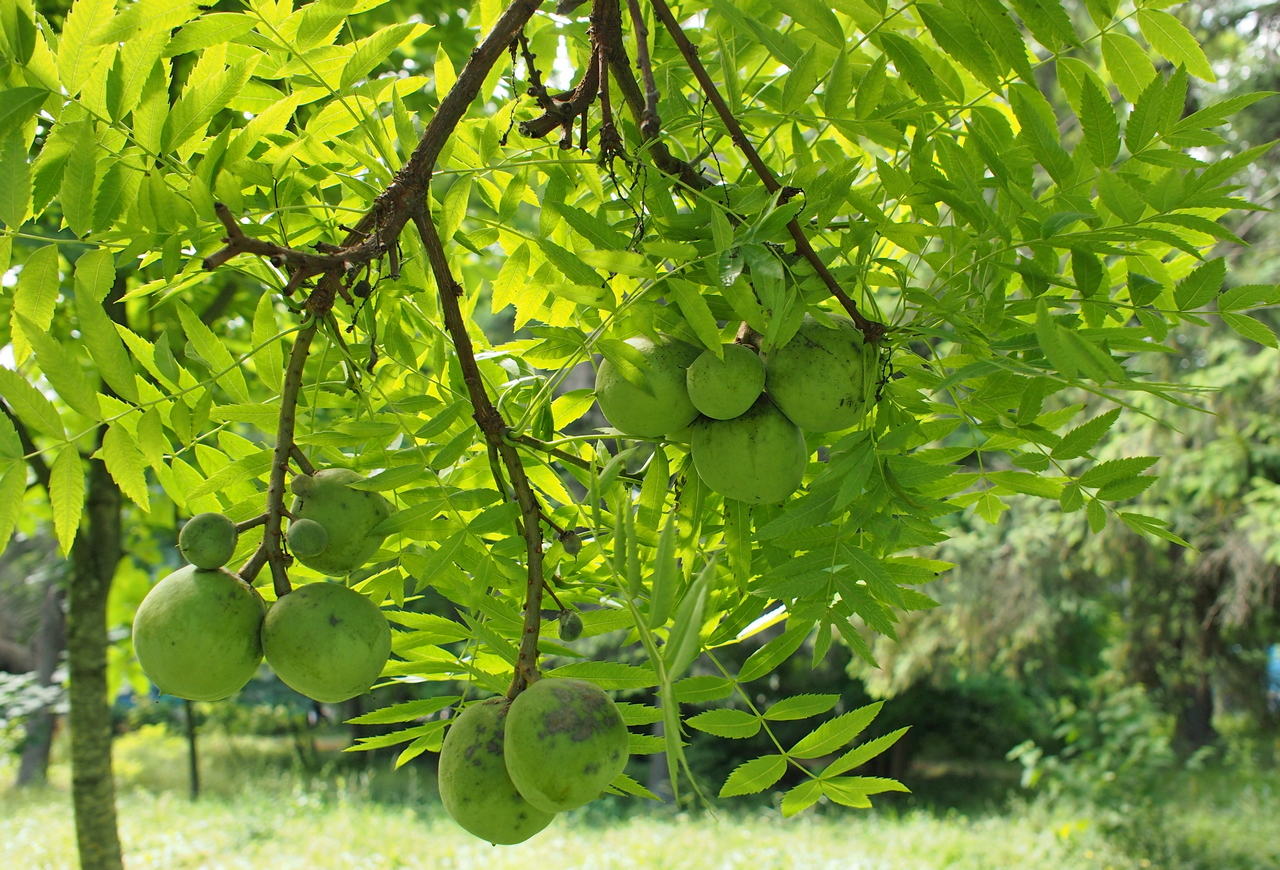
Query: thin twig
x: 304, y: 464
x: 259, y: 520
x: 873, y: 330
x: 649, y: 124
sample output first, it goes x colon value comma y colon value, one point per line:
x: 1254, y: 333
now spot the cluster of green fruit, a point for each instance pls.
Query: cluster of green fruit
x: 745, y: 411
x: 508, y: 766
x: 201, y: 632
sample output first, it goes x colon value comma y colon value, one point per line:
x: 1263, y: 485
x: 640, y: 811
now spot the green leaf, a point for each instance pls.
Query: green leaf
x: 63, y: 371
x: 957, y: 38
x: 726, y: 723
x: 214, y: 352
x: 834, y: 733
x: 852, y: 791
x: 126, y: 465
x: 34, y: 299
x: 800, y: 798
x: 1250, y: 328
x: 13, y: 485
x: 32, y: 406
x: 1098, y: 120
x: 95, y: 273
x: 66, y: 495
x: 860, y: 755
x: 775, y: 652
x: 702, y: 689
x: 376, y: 49
x: 19, y: 105
x: 1170, y: 37
x: 1198, y: 288
x: 1128, y: 64
x: 754, y: 776
x: 801, y: 707
x: 1048, y: 22
x: 1116, y: 469
x: 1082, y: 439
x: 817, y: 18
x: 15, y: 180
x: 1153, y: 526
x: 685, y: 640
x: 77, y: 51
x: 79, y: 180
x: 608, y: 675
x: 405, y: 711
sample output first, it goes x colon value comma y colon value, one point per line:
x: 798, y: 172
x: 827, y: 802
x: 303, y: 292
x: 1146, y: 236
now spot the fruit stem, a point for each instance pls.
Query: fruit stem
x: 245, y: 526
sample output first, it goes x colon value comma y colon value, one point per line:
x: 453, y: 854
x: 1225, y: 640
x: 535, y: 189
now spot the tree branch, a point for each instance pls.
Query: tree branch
x: 873, y: 330
x: 493, y: 428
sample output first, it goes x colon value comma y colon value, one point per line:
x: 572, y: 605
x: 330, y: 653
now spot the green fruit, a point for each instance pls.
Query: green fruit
x: 822, y: 378
x: 326, y: 641
x: 570, y: 625
x: 564, y: 742
x: 306, y: 538
x: 347, y: 515
x: 207, y: 540
x: 474, y: 786
x: 759, y: 457
x: 196, y: 633
x: 662, y: 408
x: 726, y: 388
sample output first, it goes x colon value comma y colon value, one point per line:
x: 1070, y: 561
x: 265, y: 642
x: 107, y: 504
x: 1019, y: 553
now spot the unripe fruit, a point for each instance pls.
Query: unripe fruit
x: 196, y: 633
x: 822, y: 378
x: 207, y: 540
x: 571, y: 541
x: 474, y: 786
x: 347, y: 515
x: 726, y: 388
x: 565, y: 741
x: 306, y: 538
x: 570, y: 625
x: 663, y: 407
x: 326, y: 641
x: 759, y: 457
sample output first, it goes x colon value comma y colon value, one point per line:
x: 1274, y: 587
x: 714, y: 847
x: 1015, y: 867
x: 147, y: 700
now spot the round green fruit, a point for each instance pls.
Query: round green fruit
x: 821, y: 379
x: 326, y: 641
x: 570, y: 625
x: 661, y: 409
x: 564, y: 742
x: 207, y: 540
x: 759, y: 457
x: 726, y: 388
x: 306, y: 538
x: 196, y: 633
x: 474, y: 786
x: 348, y: 517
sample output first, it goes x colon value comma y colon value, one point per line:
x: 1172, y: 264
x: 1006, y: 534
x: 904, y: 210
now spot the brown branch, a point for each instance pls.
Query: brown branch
x: 493, y: 427
x: 236, y: 242
x: 259, y: 520
x: 304, y: 464
x: 649, y: 124
x: 29, y: 449
x: 873, y: 330
x: 610, y: 28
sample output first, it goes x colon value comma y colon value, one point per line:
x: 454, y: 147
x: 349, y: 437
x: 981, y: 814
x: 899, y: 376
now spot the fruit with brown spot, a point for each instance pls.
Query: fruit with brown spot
x: 565, y: 741
x: 474, y: 786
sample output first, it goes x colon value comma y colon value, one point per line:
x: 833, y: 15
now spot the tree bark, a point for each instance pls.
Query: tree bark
x: 193, y: 758
x: 50, y: 640
x: 94, y: 555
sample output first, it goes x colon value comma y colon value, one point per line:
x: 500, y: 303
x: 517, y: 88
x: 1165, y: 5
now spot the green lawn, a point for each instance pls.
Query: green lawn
x: 256, y: 813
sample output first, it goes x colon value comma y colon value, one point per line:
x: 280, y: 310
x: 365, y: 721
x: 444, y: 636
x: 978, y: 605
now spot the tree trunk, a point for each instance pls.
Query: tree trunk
x: 193, y: 759
x: 50, y: 640
x: 1193, y: 728
x: 94, y: 555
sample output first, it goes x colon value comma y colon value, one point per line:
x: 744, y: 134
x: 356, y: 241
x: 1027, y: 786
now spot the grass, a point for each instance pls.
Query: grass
x: 259, y: 811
